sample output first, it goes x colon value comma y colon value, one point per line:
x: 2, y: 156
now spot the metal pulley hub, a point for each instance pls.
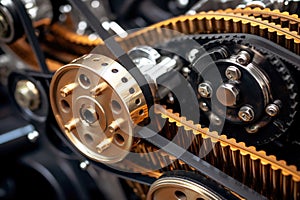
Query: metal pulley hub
x: 97, y: 104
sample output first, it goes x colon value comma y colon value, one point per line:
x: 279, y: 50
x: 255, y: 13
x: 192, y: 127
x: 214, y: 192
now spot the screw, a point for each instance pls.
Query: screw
x: 246, y: 114
x: 27, y: 95
x: 203, y: 106
x: 243, y: 57
x: 233, y: 73
x: 84, y: 165
x: 272, y: 110
x: 205, y: 90
x: 33, y: 136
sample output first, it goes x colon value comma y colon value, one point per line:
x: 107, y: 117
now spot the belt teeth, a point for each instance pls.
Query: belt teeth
x: 272, y: 178
x: 282, y: 28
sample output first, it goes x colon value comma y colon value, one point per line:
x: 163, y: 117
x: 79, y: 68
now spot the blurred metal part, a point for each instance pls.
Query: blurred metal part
x: 27, y: 95
x: 150, y: 62
x: 10, y: 22
x: 175, y: 188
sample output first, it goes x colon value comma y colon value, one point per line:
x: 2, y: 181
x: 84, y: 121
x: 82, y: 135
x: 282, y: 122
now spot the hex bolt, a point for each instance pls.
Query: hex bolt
x: 272, y: 110
x: 243, y: 58
x: 27, y: 95
x: 233, y: 73
x: 205, y: 90
x: 227, y: 94
x: 246, y: 114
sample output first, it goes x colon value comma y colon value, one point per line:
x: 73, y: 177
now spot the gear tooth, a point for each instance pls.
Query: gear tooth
x: 285, y: 13
x: 230, y: 10
x: 266, y: 9
x: 256, y: 9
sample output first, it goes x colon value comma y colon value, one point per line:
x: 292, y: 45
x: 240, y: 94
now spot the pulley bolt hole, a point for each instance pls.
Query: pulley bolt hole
x: 116, y: 107
x: 131, y: 90
x: 114, y: 71
x: 180, y: 195
x: 119, y: 139
x: 88, y: 138
x: 65, y: 106
x: 141, y: 112
x: 138, y: 101
x: 124, y: 79
x: 84, y: 81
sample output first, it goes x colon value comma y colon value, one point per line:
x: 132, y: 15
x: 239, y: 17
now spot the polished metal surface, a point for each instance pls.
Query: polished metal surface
x: 97, y: 104
x: 246, y: 114
x: 27, y: 95
x: 227, y: 94
x: 205, y: 90
x: 173, y: 188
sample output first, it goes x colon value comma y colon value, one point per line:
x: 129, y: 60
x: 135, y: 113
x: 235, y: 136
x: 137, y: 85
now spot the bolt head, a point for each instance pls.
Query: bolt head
x: 227, y: 94
x: 203, y: 106
x: 272, y: 110
x: 27, y: 95
x: 243, y: 58
x: 246, y: 114
x: 233, y: 73
x: 205, y: 90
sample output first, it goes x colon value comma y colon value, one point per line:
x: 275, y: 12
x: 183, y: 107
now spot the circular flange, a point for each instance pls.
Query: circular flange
x: 97, y: 104
x: 175, y: 188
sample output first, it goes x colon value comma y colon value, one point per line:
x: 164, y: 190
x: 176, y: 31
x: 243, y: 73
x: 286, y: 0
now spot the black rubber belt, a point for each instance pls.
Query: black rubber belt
x: 30, y: 33
x: 202, y: 166
x: 115, y: 49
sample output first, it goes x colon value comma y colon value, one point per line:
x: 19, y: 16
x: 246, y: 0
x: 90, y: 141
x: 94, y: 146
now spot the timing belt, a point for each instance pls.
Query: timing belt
x: 115, y: 49
x: 202, y: 166
x: 157, y: 140
x: 29, y: 30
